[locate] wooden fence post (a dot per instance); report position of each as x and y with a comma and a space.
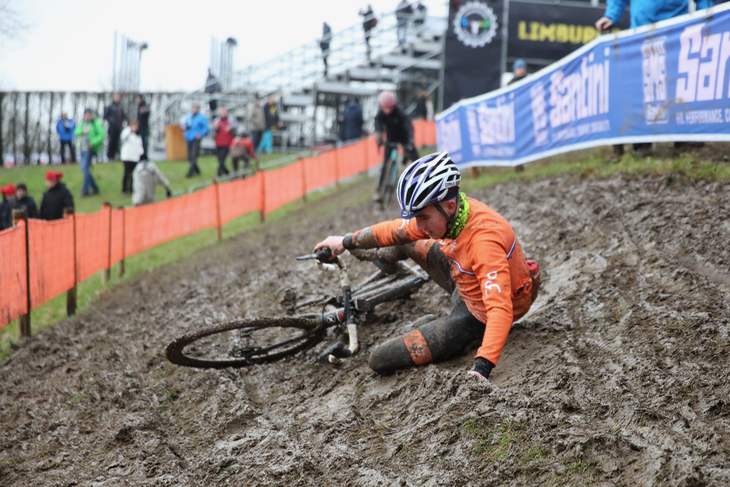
24, 321
263, 195
217, 211
337, 168
300, 161
106, 277
124, 242
71, 293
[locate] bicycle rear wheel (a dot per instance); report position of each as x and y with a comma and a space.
245, 342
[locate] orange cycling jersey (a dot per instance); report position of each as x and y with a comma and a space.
487, 266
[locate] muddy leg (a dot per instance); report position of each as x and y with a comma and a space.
437, 340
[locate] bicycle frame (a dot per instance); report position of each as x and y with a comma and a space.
346, 314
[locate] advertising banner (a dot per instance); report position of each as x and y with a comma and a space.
473, 49
663, 82
543, 33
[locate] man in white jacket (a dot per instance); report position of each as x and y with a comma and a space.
132, 150
146, 178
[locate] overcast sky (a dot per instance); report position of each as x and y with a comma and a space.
70, 43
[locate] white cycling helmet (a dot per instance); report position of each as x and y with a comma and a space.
430, 179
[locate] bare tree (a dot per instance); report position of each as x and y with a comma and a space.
11, 22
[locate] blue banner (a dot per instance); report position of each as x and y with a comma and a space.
663, 82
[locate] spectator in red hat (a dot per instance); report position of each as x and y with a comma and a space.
7, 206
57, 198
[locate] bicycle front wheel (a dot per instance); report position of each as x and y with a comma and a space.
245, 342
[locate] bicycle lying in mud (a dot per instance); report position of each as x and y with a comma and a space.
247, 342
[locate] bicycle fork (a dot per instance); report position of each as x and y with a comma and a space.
337, 353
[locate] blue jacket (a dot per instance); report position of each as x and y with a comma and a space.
644, 12
353, 121
195, 125
63, 134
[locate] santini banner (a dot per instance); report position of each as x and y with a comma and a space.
663, 82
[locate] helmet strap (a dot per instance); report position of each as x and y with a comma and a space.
450, 220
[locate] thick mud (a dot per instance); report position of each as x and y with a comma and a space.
618, 376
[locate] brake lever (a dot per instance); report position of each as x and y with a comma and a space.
323, 255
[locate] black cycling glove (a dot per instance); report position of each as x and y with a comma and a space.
482, 367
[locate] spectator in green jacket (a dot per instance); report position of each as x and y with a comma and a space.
91, 135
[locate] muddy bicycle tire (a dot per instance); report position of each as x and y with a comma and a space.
312, 332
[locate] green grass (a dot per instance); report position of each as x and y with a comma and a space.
109, 178
597, 163
593, 163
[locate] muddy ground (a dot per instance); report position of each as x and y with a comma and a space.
618, 376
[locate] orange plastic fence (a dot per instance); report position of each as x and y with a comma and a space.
320, 171
351, 160
132, 230
374, 154
13, 282
92, 243
240, 197
51, 259
424, 133
150, 225
283, 186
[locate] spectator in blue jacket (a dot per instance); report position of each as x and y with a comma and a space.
196, 127
65, 128
644, 12
352, 120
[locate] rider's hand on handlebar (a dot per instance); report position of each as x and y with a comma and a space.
380, 141
333, 243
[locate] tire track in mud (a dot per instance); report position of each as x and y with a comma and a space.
618, 376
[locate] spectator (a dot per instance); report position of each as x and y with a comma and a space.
256, 122
196, 127
419, 18
7, 206
369, 22
91, 139
424, 106
65, 128
271, 116
212, 86
143, 117
403, 14
225, 131
644, 12
25, 202
242, 150
519, 71
57, 198
115, 117
146, 178
352, 119
132, 152
324, 44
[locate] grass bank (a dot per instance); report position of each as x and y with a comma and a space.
109, 178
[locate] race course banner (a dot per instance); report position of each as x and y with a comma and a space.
663, 82
543, 33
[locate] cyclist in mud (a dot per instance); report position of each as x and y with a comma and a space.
467, 248
392, 122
